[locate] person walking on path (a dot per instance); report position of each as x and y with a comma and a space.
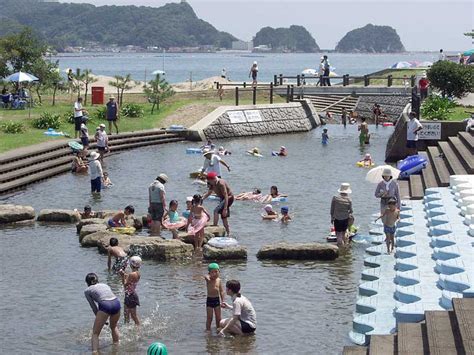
112, 114
327, 71
321, 72
253, 73
364, 132
413, 127
95, 170
344, 117
78, 114
157, 203
212, 162
244, 317
108, 306
102, 141
223, 191
387, 189
341, 211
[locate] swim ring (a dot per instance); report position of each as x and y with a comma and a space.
176, 225
411, 165
193, 151
258, 155
197, 224
214, 198
223, 242
53, 133
280, 199
75, 145
361, 164
387, 124
123, 230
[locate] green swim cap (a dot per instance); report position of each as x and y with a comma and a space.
213, 266
157, 349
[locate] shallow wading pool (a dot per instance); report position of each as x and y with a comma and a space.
301, 307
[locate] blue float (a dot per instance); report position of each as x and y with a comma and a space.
411, 165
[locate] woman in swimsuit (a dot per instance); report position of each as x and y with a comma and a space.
130, 281
256, 194
197, 221
108, 306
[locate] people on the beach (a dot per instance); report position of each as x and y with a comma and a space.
79, 112
341, 211
413, 127
215, 295
95, 171
364, 135
344, 117
84, 134
197, 220
108, 306
325, 136
285, 217
221, 188
387, 189
212, 163
130, 281
253, 73
157, 203
390, 217
327, 71
244, 317
269, 212
119, 219
102, 140
117, 252
78, 165
112, 114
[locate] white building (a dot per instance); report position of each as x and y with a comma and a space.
242, 45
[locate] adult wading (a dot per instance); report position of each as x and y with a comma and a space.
157, 203
223, 191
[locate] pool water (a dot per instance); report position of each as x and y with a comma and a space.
302, 307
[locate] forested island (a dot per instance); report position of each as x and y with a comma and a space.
371, 39
292, 39
71, 24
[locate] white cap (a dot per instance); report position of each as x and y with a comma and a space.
345, 188
135, 261
189, 199
102, 125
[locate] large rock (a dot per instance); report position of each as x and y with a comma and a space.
298, 251
90, 229
217, 231
66, 216
99, 238
189, 239
87, 221
16, 213
233, 253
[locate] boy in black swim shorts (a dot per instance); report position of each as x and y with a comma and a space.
215, 293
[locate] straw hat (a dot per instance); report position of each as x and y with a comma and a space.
345, 188
102, 125
94, 155
387, 172
163, 177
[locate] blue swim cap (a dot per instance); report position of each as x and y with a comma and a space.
284, 209
157, 349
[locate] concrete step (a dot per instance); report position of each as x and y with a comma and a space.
443, 333
18, 164
383, 344
37, 149
464, 310
439, 166
412, 339
453, 163
468, 139
156, 141
404, 189
463, 153
355, 350
427, 174
416, 187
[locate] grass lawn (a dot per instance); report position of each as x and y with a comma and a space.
459, 113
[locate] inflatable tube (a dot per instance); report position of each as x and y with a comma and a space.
387, 124
269, 217
175, 127
75, 145
275, 154
223, 242
214, 198
411, 165
181, 223
193, 151
53, 133
123, 230
254, 154
280, 199
197, 224
361, 164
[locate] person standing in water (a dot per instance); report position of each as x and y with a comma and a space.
157, 203
130, 281
344, 117
215, 295
253, 73
108, 306
364, 132
223, 191
341, 211
212, 162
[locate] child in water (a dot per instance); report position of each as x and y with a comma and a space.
106, 180
119, 219
197, 221
325, 136
256, 194
173, 218
215, 294
390, 217
130, 281
367, 161
121, 259
270, 213
189, 205
88, 213
285, 217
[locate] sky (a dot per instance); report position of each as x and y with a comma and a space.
423, 25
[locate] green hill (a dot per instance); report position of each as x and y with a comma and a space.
295, 39
371, 39
172, 25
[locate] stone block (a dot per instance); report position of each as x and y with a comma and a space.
298, 251
16, 213
87, 221
232, 253
59, 215
91, 228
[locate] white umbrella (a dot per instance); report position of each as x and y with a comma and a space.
21, 77
375, 175
310, 72
425, 64
159, 72
401, 65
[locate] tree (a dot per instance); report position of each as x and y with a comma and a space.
157, 91
121, 84
451, 79
470, 34
77, 83
87, 79
49, 77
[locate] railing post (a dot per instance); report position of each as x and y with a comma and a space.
275, 80
287, 93
413, 80
271, 92
298, 80
236, 96
245, 84
281, 79
345, 80
254, 95
366, 80
292, 93
389, 80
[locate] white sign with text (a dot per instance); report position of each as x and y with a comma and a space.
236, 116
253, 116
430, 131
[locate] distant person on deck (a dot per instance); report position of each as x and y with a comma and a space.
223, 74
112, 114
441, 55
327, 71
253, 73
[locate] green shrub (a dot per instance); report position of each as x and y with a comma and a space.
131, 110
12, 127
99, 113
68, 117
451, 79
47, 120
436, 107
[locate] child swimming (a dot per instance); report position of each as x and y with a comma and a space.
270, 213
325, 136
256, 194
88, 213
390, 217
118, 220
273, 194
367, 161
171, 219
215, 295
106, 180
130, 281
121, 259
285, 217
197, 221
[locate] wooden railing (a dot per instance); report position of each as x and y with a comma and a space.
302, 79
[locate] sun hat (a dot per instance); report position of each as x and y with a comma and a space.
102, 125
282, 147
221, 148
255, 63
268, 208
213, 266
189, 199
387, 172
135, 261
163, 177
111, 98
345, 188
211, 175
94, 155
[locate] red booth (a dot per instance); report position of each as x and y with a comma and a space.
97, 95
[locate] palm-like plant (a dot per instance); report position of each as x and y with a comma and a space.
121, 84
157, 90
